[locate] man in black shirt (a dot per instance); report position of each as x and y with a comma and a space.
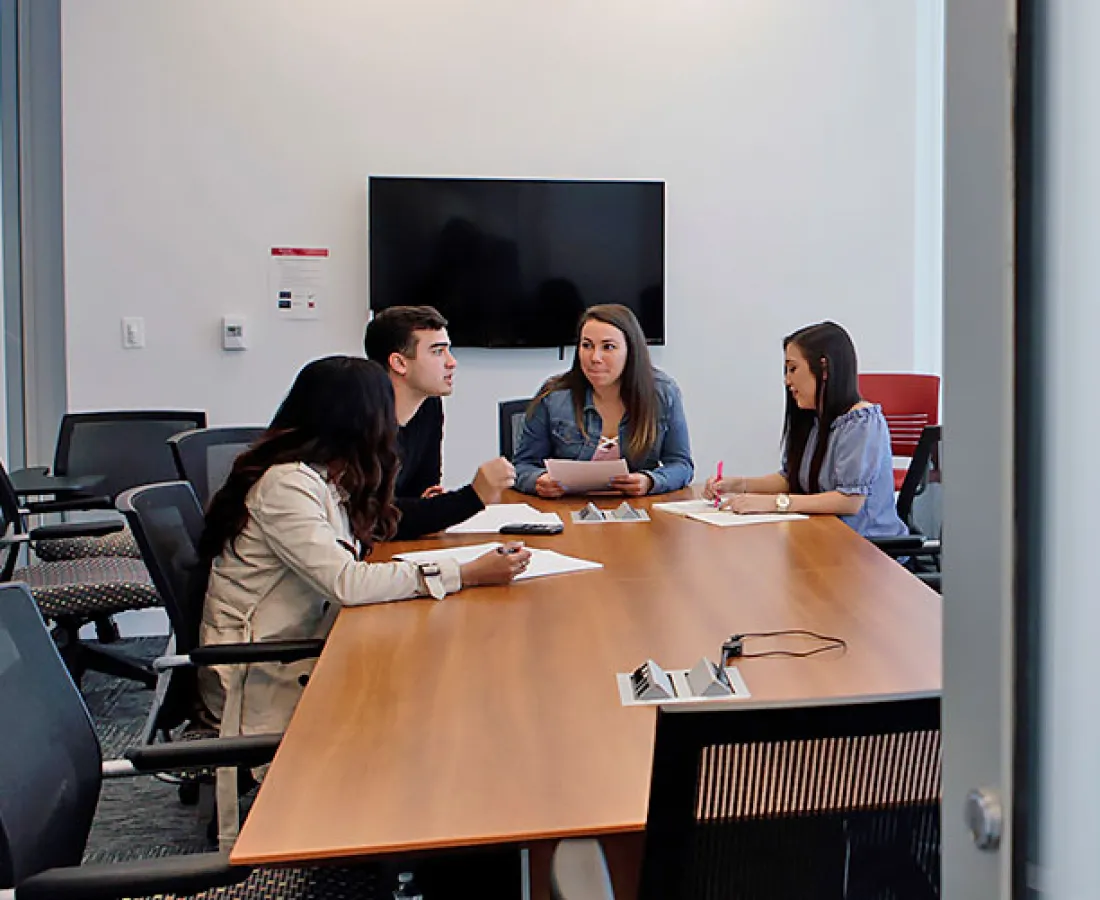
411, 342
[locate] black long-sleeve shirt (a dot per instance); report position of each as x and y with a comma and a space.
420, 446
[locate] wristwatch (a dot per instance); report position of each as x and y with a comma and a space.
782, 503
433, 579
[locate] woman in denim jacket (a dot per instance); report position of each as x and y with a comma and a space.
611, 404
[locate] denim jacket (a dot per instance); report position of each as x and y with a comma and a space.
551, 432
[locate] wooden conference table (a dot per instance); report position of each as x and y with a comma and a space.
493, 717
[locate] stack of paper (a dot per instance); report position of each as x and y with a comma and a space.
725, 519
580, 476
489, 520
704, 511
685, 507
543, 562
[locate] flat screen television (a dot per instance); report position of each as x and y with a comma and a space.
513, 263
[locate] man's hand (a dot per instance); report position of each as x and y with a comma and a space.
493, 478
546, 487
434, 491
633, 485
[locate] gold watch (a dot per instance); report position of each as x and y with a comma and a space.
782, 503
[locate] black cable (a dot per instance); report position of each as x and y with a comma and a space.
734, 647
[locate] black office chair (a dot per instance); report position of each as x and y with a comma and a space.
167, 522
511, 416
920, 507
51, 771
72, 593
127, 448
820, 801
205, 456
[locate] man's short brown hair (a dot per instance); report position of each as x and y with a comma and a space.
393, 331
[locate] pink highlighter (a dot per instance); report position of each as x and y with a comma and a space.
718, 492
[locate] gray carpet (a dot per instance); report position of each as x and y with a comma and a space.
136, 817
142, 817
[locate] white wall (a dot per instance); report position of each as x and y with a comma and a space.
199, 134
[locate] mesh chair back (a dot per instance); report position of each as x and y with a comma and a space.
126, 448
10, 520
512, 415
205, 456
167, 522
820, 801
920, 502
49, 756
909, 402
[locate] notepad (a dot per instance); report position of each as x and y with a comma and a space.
684, 507
543, 562
704, 511
725, 519
489, 520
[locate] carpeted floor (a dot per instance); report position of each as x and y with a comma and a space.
142, 817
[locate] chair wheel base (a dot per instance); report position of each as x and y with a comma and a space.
189, 793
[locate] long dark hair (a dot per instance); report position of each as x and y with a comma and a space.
637, 386
831, 356
338, 414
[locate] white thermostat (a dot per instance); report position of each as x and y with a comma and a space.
233, 333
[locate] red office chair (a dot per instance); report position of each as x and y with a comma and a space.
909, 402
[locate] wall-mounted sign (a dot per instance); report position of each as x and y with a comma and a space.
299, 281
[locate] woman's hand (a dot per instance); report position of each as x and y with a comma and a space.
715, 487
747, 504
635, 484
546, 487
497, 566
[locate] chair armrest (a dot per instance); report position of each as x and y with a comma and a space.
33, 471
74, 505
261, 651
185, 875
902, 545
578, 871
75, 530
249, 750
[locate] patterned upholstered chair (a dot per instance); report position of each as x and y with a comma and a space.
127, 448
72, 593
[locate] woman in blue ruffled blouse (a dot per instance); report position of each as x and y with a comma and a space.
850, 473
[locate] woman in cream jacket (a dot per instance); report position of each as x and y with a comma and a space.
288, 536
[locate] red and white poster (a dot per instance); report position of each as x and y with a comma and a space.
299, 281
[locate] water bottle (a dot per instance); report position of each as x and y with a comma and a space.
406, 888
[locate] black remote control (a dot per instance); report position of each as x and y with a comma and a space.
531, 528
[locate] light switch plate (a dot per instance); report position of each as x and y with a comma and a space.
133, 332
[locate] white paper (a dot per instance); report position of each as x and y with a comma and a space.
299, 281
684, 507
726, 519
489, 520
543, 562
578, 476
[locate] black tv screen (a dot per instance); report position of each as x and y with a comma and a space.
513, 263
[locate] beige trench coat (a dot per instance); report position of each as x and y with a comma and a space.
290, 570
